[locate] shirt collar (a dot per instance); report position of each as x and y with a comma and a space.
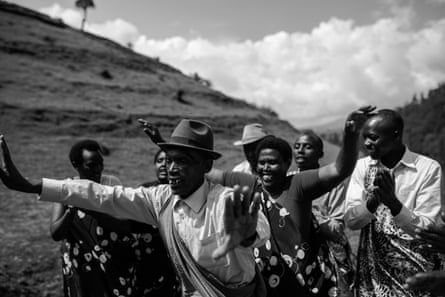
196, 200
408, 159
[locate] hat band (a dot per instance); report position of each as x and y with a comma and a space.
188, 141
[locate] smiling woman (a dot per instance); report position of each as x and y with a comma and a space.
296, 260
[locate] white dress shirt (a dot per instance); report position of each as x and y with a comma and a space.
199, 218
417, 186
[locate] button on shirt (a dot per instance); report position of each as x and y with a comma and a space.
198, 219
417, 186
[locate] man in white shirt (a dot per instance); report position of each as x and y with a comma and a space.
391, 193
252, 134
209, 229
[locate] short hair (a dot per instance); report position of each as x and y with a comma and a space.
392, 117
318, 142
276, 143
157, 155
76, 150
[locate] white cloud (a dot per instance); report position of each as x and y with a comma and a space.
310, 78
118, 30
69, 16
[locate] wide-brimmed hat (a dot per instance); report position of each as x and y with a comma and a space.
251, 133
194, 135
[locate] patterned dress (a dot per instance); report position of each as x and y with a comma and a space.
290, 265
104, 256
97, 261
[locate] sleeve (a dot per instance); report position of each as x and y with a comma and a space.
231, 179
428, 203
310, 183
357, 214
138, 204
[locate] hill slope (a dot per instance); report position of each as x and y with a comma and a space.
425, 124
58, 85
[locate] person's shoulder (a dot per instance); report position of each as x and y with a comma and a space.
421, 162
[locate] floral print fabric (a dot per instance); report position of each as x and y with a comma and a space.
291, 267
99, 262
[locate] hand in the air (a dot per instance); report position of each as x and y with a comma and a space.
240, 219
9, 174
357, 118
151, 130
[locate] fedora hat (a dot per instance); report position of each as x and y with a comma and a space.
251, 133
194, 135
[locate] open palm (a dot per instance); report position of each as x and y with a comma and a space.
240, 220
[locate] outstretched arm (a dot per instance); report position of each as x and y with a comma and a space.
152, 131
11, 176
240, 220
332, 174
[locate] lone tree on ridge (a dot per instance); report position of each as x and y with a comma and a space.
84, 5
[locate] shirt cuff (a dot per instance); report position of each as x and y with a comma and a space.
404, 217
51, 190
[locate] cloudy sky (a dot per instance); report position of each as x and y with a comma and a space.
312, 61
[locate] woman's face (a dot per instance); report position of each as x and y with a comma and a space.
272, 169
161, 163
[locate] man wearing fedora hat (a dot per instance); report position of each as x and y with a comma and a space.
209, 230
252, 134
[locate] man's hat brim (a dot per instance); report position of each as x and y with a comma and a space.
171, 145
247, 141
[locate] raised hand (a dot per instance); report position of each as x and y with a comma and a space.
357, 119
9, 174
240, 220
431, 281
433, 236
151, 130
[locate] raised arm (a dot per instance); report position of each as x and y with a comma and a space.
124, 203
152, 131
11, 176
332, 174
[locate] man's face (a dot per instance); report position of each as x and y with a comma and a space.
91, 166
249, 152
306, 153
161, 164
186, 171
272, 169
378, 137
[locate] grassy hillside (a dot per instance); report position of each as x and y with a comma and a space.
58, 85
